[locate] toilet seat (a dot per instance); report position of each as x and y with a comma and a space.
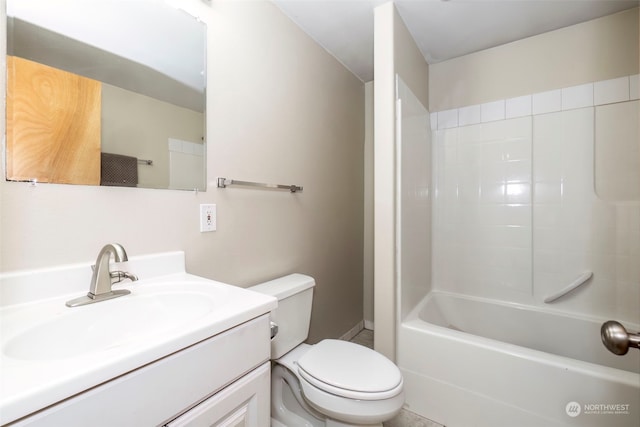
351, 371
336, 405
353, 411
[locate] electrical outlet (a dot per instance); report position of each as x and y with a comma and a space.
207, 218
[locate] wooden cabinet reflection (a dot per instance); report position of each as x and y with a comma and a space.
53, 124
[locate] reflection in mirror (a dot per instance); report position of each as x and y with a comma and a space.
108, 92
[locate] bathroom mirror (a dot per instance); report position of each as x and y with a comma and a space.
108, 92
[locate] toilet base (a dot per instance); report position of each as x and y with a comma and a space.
329, 423
287, 401
334, 423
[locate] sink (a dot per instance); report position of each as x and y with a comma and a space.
108, 324
50, 352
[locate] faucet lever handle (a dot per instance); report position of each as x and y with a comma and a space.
121, 275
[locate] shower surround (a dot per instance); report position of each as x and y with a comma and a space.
532, 192
528, 193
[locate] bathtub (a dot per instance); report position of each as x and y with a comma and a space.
473, 362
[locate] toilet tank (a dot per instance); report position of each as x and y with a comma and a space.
293, 315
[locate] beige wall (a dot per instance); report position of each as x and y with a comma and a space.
367, 301
600, 49
124, 111
409, 63
394, 52
280, 109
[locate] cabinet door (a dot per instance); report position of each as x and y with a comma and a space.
53, 124
245, 403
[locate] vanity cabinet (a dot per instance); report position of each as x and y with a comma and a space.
221, 381
245, 403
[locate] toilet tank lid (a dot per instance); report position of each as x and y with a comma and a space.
284, 287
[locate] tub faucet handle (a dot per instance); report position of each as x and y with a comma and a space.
617, 339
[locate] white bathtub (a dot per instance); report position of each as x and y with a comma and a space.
476, 362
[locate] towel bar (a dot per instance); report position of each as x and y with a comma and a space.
223, 182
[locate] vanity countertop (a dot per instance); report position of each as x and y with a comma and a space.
36, 376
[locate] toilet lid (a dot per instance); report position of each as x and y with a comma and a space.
350, 370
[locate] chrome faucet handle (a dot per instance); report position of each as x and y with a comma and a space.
100, 287
617, 339
101, 278
121, 275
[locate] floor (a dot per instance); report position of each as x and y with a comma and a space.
405, 418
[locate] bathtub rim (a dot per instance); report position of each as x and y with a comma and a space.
415, 311
418, 325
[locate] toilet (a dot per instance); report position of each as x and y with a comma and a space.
332, 383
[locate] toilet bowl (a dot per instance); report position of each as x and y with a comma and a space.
332, 383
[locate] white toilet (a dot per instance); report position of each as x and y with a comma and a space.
332, 383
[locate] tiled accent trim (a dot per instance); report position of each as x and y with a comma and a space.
603, 92
519, 107
547, 102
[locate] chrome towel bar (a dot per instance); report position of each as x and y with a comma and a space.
223, 182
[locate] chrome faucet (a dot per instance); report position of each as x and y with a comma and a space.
101, 279
100, 287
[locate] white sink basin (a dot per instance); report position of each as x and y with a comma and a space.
49, 352
108, 324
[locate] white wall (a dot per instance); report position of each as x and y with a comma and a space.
575, 228
520, 205
395, 52
384, 308
482, 209
544, 105
414, 201
279, 109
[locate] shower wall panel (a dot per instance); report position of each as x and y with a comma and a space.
525, 206
482, 214
414, 204
578, 229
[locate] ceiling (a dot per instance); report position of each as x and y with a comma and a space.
442, 29
141, 34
